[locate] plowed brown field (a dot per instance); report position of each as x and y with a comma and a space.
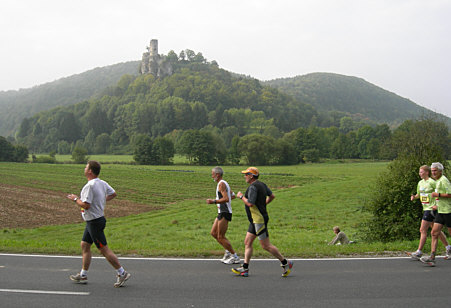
25, 207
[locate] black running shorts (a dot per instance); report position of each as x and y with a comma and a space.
260, 230
227, 216
443, 219
94, 232
429, 215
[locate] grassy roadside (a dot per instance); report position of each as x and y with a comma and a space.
310, 200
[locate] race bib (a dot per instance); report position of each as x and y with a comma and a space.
424, 198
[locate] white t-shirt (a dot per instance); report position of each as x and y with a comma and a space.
95, 193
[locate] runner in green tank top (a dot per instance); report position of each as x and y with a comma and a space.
442, 194
424, 189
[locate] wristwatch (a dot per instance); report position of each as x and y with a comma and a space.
75, 199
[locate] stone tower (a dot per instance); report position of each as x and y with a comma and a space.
153, 63
153, 48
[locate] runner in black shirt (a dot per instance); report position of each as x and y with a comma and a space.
257, 196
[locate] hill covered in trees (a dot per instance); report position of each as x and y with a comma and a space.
209, 115
196, 95
352, 96
333, 96
17, 105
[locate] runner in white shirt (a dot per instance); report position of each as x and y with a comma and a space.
223, 201
92, 201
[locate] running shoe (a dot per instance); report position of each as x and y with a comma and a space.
415, 255
287, 268
79, 278
241, 271
448, 254
233, 260
226, 256
428, 260
121, 279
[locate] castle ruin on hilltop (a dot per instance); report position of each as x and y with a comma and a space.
153, 63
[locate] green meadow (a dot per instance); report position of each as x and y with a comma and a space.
310, 200
112, 159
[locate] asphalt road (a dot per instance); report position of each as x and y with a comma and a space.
42, 281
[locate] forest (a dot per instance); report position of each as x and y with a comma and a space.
17, 105
209, 115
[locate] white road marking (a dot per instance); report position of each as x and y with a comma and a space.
44, 292
207, 259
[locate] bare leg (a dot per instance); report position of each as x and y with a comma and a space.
424, 233
110, 256
436, 229
248, 249
86, 255
223, 225
266, 245
214, 229
443, 239
218, 231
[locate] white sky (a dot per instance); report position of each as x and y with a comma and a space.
403, 46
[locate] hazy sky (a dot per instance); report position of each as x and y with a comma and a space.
403, 46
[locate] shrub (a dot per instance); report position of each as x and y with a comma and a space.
79, 155
44, 159
393, 215
311, 155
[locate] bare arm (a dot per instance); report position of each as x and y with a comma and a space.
225, 197
245, 200
110, 197
77, 201
270, 198
440, 195
335, 240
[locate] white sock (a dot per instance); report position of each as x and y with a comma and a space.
235, 255
226, 251
448, 247
120, 271
419, 251
83, 272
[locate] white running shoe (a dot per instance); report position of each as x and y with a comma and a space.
415, 255
226, 256
448, 254
78, 278
428, 260
232, 260
121, 279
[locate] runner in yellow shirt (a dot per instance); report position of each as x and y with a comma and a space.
424, 189
442, 194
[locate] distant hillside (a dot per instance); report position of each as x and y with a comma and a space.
327, 93
333, 92
17, 105
197, 95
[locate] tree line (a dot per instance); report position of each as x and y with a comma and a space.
16, 105
206, 114
12, 152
